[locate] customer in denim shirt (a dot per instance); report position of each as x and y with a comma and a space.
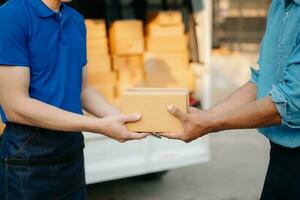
270, 102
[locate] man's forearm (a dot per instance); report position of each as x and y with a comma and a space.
256, 114
32, 112
242, 96
95, 104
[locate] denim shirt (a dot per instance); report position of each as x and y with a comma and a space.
279, 70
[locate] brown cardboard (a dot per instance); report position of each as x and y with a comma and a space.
103, 63
95, 43
95, 28
131, 76
130, 46
116, 102
152, 105
174, 44
95, 23
98, 45
2, 126
130, 70
100, 50
155, 30
97, 76
156, 77
167, 60
165, 18
126, 37
95, 34
125, 29
125, 85
128, 62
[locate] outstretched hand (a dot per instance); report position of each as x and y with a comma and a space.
196, 123
115, 128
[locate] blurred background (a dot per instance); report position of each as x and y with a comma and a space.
204, 45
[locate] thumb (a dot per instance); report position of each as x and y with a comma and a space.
176, 112
130, 118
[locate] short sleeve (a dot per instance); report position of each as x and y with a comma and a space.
13, 40
85, 61
254, 75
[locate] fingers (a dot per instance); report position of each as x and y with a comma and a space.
137, 136
130, 118
177, 112
128, 136
171, 135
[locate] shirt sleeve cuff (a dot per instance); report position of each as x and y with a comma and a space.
14, 63
281, 103
254, 75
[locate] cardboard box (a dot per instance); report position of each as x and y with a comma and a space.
165, 17
101, 63
131, 46
152, 104
101, 51
125, 29
95, 34
155, 30
125, 85
128, 62
126, 37
183, 78
107, 90
2, 126
97, 76
95, 28
170, 78
95, 23
167, 60
116, 102
98, 45
167, 44
132, 76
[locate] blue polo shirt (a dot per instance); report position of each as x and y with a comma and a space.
52, 45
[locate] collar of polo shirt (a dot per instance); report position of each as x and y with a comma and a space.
44, 12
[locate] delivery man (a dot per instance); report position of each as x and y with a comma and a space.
43, 89
270, 102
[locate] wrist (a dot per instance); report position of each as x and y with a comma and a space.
214, 124
217, 124
93, 124
212, 111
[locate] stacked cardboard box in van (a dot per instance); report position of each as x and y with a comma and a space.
123, 61
127, 48
1, 127
167, 57
100, 74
